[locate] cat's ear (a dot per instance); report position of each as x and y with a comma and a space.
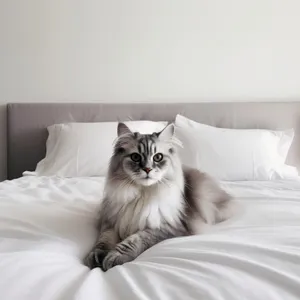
123, 129
167, 133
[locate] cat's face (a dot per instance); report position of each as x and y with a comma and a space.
145, 159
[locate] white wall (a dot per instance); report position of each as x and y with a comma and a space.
92, 50
137, 50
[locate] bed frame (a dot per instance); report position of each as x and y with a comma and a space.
27, 122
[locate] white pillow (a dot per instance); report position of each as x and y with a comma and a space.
84, 149
235, 154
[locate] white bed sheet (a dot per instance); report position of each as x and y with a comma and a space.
47, 227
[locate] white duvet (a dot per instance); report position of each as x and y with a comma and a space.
47, 227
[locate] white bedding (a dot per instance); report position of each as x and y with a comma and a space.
47, 227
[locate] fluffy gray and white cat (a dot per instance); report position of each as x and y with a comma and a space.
149, 197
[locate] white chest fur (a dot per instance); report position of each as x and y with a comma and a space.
139, 208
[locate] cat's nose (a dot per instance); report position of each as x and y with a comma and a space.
147, 170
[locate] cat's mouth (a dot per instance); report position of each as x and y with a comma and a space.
146, 181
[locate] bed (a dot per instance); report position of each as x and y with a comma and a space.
47, 224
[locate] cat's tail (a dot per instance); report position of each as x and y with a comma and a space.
208, 202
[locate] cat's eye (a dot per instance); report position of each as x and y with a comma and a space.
158, 157
135, 157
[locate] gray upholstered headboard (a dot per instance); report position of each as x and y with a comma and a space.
27, 122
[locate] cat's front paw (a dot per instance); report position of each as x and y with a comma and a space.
95, 258
115, 258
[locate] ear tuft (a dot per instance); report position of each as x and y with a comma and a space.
123, 129
167, 133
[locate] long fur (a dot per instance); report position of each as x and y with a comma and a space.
136, 215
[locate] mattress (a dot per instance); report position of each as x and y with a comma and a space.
47, 226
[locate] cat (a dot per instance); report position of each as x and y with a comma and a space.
150, 197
